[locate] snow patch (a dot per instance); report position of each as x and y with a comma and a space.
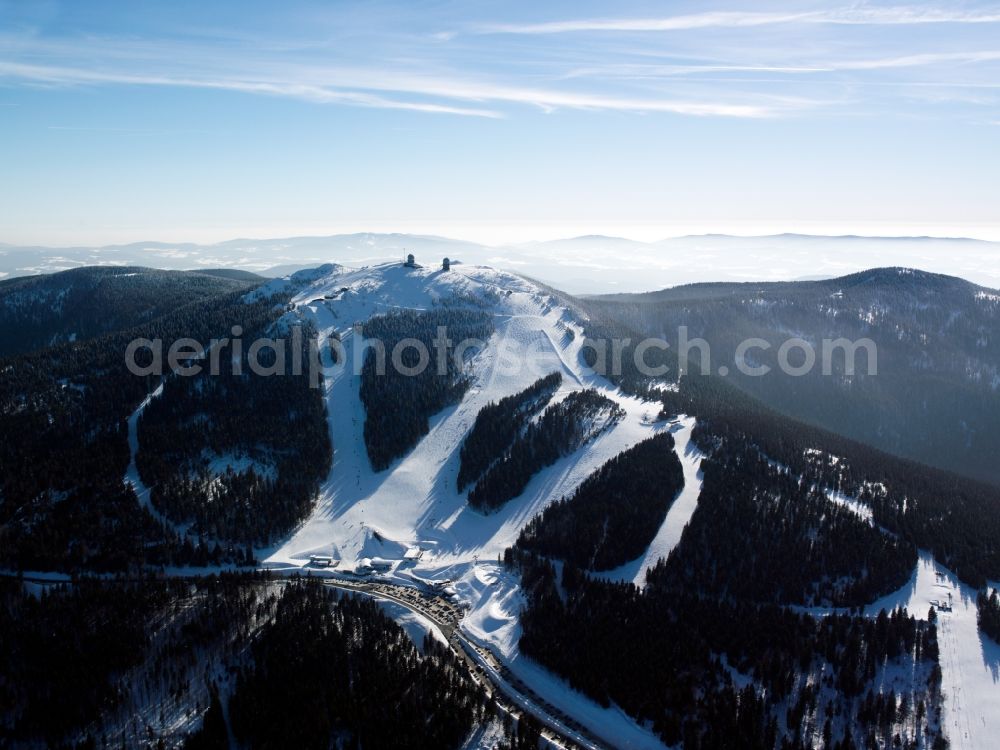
417, 626
858, 508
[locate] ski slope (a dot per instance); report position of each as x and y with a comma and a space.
970, 661
361, 514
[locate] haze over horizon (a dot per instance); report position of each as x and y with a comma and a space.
506, 236
580, 265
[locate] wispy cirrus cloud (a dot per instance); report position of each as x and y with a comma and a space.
70, 76
860, 15
747, 74
646, 70
669, 23
905, 15
920, 60
356, 87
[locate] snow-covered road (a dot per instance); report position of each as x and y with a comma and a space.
132, 473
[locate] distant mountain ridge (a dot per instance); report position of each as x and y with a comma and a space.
886, 275
936, 395
74, 305
589, 264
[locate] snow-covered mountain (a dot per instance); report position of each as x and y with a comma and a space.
768, 526
363, 515
415, 501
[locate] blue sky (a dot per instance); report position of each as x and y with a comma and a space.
496, 121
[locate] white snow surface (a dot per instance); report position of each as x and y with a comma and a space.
363, 514
485, 736
858, 508
132, 473
416, 625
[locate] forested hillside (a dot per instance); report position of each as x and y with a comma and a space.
704, 670
65, 649
271, 428
75, 305
762, 532
936, 395
217, 660
611, 343
957, 519
615, 513
397, 403
787, 515
497, 426
64, 447
759, 622
612, 349
329, 666
561, 429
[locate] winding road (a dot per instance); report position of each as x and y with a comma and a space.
509, 691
